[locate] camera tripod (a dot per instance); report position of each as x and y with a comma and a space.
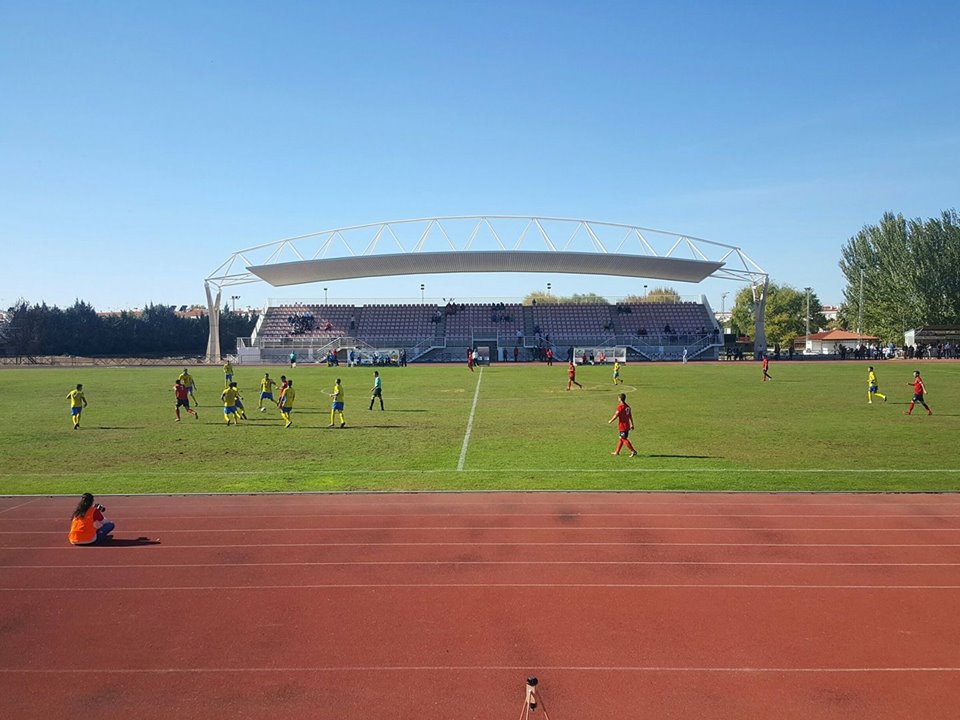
532, 700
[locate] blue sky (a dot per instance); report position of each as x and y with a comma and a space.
141, 143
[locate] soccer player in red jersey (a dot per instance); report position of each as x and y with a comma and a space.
624, 417
766, 366
182, 394
918, 391
572, 373
470, 359
283, 386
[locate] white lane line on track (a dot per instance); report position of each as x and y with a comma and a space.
497, 528
434, 586
466, 436
6, 510
431, 563
154, 548
577, 515
474, 668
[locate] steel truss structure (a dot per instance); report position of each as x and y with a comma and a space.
485, 243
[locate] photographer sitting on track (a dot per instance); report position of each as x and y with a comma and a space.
88, 525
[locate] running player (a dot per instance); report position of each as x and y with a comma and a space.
337, 407
572, 376
918, 390
183, 400
229, 397
287, 396
377, 392
624, 417
187, 381
227, 373
283, 386
872, 388
766, 366
240, 409
616, 373
266, 390
77, 403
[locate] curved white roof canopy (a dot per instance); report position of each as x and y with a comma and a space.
421, 263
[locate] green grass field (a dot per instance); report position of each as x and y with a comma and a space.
699, 427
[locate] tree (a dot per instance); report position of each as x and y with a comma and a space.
906, 271
657, 295
541, 298
586, 299
785, 317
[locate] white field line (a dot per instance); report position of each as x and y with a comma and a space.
472, 668
438, 471
466, 436
434, 586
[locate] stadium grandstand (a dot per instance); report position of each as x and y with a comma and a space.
443, 333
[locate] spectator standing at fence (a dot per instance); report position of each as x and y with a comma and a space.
550, 357
516, 353
293, 359
78, 402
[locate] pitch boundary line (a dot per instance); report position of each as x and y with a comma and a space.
434, 586
466, 437
476, 668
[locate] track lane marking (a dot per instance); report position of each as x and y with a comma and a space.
432, 563
434, 586
475, 668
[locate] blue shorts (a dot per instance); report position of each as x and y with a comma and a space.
227, 377
266, 396
239, 403
286, 410
229, 409
76, 410
873, 388
338, 406
190, 389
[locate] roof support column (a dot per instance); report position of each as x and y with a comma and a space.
213, 314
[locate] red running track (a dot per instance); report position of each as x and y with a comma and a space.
414, 606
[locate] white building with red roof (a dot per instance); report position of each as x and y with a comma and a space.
829, 342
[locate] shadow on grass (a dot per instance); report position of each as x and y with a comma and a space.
693, 457
116, 427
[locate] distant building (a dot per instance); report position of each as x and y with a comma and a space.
831, 312
829, 342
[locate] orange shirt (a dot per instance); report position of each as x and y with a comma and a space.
83, 531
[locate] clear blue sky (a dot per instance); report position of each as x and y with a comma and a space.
141, 143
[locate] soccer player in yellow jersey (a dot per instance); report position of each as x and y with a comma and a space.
187, 381
229, 397
872, 387
266, 390
616, 373
77, 403
337, 407
287, 396
227, 373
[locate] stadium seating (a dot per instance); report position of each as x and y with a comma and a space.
573, 323
503, 319
653, 319
388, 324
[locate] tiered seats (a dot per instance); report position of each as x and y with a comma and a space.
325, 321
569, 322
685, 318
505, 319
388, 324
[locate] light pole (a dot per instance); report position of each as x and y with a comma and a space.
548, 288
723, 303
234, 298
422, 287
860, 313
806, 343
324, 296
645, 297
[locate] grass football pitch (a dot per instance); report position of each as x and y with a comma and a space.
699, 427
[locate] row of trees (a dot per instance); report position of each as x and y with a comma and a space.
907, 273
786, 314
657, 295
79, 330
